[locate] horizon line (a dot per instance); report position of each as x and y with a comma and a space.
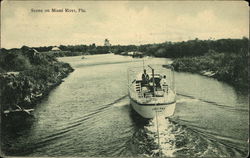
211, 39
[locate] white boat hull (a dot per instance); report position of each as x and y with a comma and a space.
150, 110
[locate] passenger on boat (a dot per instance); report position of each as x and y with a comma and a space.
145, 78
164, 84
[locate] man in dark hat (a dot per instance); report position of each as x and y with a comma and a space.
145, 78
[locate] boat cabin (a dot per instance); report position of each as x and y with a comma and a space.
153, 88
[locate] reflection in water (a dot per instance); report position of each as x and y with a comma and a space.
89, 115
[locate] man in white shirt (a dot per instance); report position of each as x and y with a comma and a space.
164, 84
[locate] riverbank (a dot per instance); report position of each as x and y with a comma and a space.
231, 68
83, 108
26, 78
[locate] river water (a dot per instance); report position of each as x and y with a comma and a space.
89, 115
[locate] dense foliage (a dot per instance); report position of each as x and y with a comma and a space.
33, 75
194, 47
229, 67
226, 57
189, 48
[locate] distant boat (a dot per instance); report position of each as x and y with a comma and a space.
124, 53
153, 98
137, 55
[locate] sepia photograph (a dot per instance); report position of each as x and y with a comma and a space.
124, 78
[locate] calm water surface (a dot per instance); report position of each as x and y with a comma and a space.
89, 115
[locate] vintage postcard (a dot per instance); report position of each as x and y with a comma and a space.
124, 78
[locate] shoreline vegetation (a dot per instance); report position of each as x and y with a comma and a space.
230, 68
224, 59
25, 78
27, 74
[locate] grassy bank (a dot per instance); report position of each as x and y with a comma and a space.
229, 67
26, 77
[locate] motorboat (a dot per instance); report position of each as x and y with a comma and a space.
152, 97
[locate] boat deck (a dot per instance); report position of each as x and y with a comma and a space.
145, 97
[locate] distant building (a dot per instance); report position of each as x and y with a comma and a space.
56, 49
106, 42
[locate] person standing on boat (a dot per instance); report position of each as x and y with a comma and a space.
164, 84
145, 78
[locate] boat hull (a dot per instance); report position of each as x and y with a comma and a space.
150, 110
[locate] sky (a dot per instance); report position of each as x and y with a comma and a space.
122, 22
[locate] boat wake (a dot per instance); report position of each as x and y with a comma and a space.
166, 140
188, 98
67, 127
180, 140
184, 100
123, 101
145, 140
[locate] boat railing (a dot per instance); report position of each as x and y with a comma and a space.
148, 97
154, 71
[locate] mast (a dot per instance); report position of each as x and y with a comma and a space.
153, 75
143, 64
